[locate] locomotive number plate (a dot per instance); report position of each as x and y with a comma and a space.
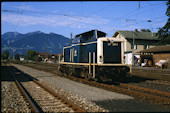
112, 44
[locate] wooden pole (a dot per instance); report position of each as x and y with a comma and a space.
130, 68
59, 63
70, 55
59, 59
89, 62
93, 64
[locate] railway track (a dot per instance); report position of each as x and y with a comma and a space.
40, 97
145, 94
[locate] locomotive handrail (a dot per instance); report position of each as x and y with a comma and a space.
93, 64
89, 62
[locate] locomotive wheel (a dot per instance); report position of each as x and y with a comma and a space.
85, 74
61, 69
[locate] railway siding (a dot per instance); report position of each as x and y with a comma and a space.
82, 102
131, 102
151, 72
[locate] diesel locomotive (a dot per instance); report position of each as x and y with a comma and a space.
93, 55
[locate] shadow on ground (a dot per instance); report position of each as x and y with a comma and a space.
6, 76
130, 105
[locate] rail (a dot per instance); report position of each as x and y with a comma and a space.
34, 105
138, 92
24, 92
75, 107
146, 89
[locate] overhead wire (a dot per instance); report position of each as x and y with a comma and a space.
147, 20
147, 10
159, 17
77, 16
131, 12
104, 8
76, 6
80, 17
158, 21
42, 13
20, 13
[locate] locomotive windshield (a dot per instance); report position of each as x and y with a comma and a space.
88, 36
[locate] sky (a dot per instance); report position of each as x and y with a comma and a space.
77, 17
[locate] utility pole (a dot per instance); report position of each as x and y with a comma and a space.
133, 49
151, 27
71, 38
46, 54
13, 54
45, 47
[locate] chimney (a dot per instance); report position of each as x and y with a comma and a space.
136, 30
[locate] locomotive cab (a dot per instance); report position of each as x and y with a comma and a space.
109, 51
89, 36
94, 55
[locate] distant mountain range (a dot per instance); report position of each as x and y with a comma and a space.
37, 41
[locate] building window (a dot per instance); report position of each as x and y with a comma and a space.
135, 46
75, 52
146, 46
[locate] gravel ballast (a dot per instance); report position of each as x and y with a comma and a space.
109, 100
11, 98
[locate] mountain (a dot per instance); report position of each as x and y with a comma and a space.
9, 38
37, 41
11, 35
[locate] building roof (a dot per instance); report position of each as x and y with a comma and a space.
157, 49
43, 54
57, 54
137, 35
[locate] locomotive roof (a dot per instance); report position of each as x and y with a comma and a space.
99, 33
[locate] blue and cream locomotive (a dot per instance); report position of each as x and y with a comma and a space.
94, 56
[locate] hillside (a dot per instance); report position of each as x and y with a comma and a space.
38, 41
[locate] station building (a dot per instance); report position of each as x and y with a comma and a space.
155, 55
140, 39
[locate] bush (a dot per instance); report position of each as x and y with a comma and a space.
31, 55
5, 55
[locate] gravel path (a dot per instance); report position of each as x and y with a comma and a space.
91, 93
109, 100
87, 105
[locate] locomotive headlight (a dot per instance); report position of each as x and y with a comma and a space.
100, 59
111, 41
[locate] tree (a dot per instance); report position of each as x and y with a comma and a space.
145, 30
164, 33
5, 55
17, 56
31, 55
38, 59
